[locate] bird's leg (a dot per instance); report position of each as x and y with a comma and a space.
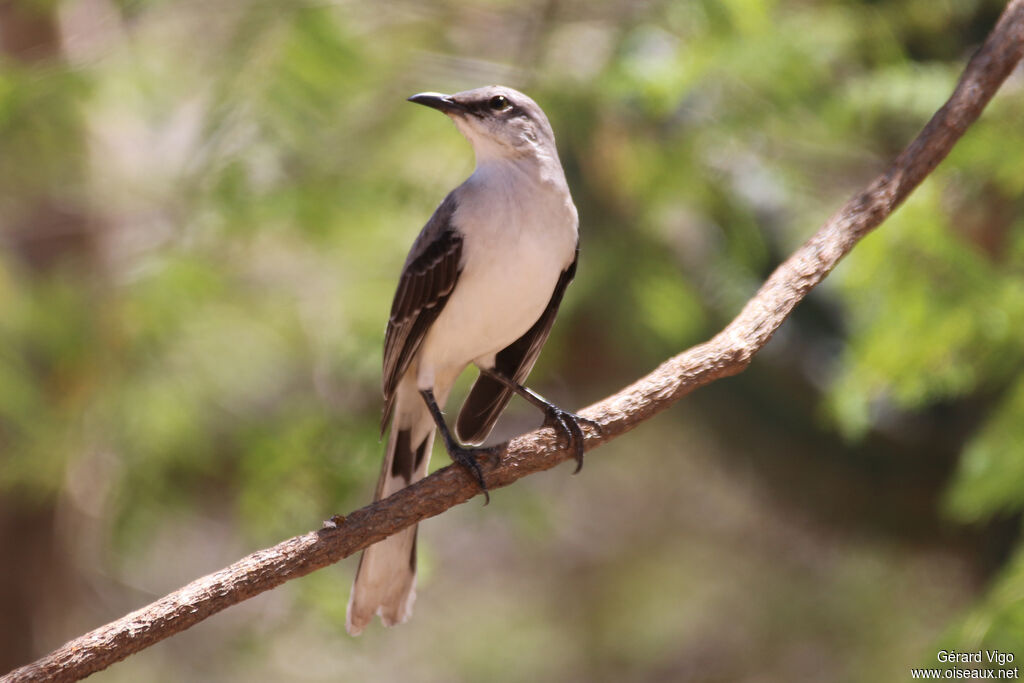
565, 423
456, 451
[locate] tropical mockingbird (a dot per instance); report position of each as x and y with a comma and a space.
481, 285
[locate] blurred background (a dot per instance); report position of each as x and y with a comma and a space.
204, 207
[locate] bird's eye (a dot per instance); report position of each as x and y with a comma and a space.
499, 103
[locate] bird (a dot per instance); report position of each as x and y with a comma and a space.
481, 286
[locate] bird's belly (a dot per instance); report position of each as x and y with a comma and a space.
500, 294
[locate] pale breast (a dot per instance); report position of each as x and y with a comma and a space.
519, 236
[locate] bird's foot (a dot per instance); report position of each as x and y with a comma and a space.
567, 425
467, 458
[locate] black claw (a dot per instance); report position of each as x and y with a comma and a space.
567, 425
466, 457
459, 454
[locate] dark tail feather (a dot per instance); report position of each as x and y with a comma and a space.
385, 582
486, 400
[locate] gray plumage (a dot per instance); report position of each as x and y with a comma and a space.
481, 285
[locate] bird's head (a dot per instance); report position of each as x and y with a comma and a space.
500, 123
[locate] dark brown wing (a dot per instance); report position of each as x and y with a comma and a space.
427, 280
489, 397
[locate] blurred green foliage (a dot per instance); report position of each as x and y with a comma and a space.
204, 209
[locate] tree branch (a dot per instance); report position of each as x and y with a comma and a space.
728, 353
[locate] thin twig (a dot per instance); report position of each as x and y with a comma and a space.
728, 353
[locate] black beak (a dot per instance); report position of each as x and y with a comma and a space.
436, 100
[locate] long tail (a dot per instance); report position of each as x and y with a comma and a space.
385, 582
